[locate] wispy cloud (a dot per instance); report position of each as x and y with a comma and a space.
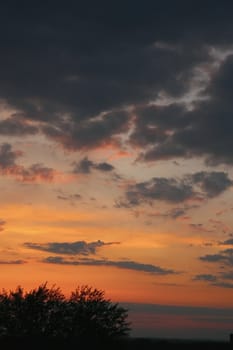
224, 256
12, 262
197, 186
205, 277
122, 264
33, 173
69, 248
85, 166
2, 223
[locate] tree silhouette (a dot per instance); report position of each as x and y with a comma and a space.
45, 311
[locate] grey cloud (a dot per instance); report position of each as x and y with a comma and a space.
205, 277
73, 70
204, 131
8, 166
173, 213
223, 284
69, 248
34, 172
169, 190
224, 256
124, 264
16, 126
71, 197
176, 213
199, 185
228, 242
89, 133
218, 280
227, 275
2, 223
12, 262
213, 258
85, 166
76, 63
7, 156
104, 167
212, 183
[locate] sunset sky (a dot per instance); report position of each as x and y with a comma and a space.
116, 156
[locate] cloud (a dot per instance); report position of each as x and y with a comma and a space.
224, 256
223, 284
124, 264
85, 166
205, 277
171, 131
78, 93
12, 262
224, 262
227, 275
228, 242
88, 133
174, 213
199, 186
71, 197
7, 156
16, 126
35, 172
168, 190
69, 248
212, 183
2, 223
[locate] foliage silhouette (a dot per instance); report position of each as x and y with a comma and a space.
46, 312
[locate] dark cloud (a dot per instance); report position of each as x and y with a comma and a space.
8, 166
199, 185
65, 67
12, 262
225, 257
88, 133
2, 223
74, 70
171, 131
71, 198
217, 280
228, 242
7, 156
205, 277
124, 264
169, 190
212, 183
16, 126
85, 166
173, 213
35, 172
223, 284
69, 248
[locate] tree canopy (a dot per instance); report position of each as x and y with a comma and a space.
45, 311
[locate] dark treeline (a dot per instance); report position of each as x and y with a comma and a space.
44, 318
45, 314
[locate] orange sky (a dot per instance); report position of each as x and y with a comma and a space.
116, 157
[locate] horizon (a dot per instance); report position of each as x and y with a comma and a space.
116, 157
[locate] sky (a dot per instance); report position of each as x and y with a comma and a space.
116, 155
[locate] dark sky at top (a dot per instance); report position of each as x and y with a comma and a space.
62, 64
